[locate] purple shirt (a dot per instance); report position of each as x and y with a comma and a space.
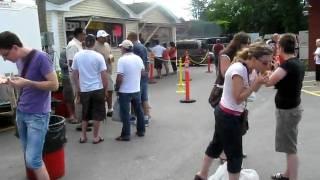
33, 100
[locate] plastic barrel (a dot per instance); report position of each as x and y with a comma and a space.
53, 150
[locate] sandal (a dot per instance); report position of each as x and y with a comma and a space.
99, 141
120, 138
279, 176
81, 141
222, 160
197, 177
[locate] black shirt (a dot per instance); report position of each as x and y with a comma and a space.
289, 88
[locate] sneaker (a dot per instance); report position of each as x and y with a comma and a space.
146, 121
133, 120
109, 114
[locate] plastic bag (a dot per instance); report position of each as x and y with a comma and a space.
116, 111
222, 174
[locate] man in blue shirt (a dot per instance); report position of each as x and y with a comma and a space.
141, 51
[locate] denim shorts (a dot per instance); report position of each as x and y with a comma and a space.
32, 130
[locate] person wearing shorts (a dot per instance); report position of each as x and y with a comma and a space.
90, 72
103, 47
158, 52
37, 80
288, 80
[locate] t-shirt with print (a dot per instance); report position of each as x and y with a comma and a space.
34, 100
130, 67
90, 64
105, 51
317, 55
289, 88
227, 99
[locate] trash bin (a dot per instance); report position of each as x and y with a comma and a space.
53, 150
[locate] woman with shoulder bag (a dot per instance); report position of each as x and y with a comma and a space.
239, 41
237, 88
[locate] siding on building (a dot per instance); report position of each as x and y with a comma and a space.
157, 16
48, 15
131, 27
96, 8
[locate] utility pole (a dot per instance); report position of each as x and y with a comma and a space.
42, 15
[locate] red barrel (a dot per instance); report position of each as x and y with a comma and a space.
55, 165
53, 149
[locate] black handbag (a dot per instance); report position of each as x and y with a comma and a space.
215, 95
216, 92
244, 123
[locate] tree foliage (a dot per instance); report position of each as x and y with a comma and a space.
198, 7
264, 16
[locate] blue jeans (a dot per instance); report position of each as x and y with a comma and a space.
144, 88
125, 99
32, 130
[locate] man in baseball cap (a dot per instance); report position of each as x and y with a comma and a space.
102, 33
103, 47
130, 68
126, 44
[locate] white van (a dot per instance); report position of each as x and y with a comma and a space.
21, 18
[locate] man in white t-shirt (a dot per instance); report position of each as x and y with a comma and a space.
129, 70
158, 52
90, 73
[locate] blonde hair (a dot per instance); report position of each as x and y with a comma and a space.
255, 50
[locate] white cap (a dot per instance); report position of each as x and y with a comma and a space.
127, 44
102, 33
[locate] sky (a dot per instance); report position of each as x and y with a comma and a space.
181, 8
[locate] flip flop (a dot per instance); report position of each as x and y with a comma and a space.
73, 121
279, 176
99, 141
197, 177
81, 141
120, 138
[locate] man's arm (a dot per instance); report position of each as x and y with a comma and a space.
51, 83
119, 81
75, 76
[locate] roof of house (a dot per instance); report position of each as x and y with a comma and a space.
142, 8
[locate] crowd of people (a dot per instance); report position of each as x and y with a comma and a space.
86, 66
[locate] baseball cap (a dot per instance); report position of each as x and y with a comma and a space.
127, 44
102, 33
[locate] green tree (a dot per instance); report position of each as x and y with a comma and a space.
198, 7
264, 16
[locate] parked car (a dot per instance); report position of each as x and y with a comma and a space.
196, 49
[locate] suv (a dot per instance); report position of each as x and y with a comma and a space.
197, 50
210, 41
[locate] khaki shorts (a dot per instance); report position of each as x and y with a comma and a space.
287, 129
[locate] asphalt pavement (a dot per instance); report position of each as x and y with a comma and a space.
175, 142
